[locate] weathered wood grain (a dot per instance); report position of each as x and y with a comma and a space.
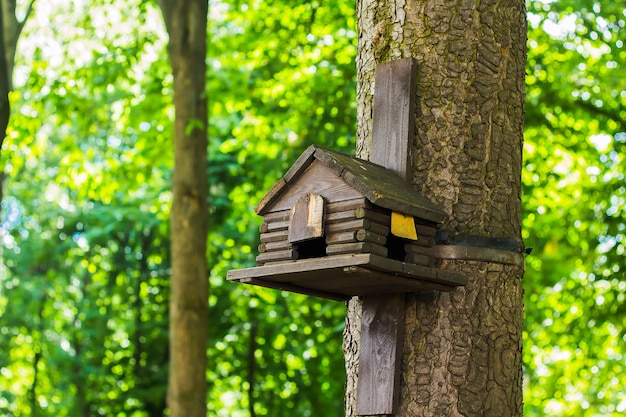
274, 226
271, 196
376, 216
283, 255
414, 258
339, 216
359, 247
344, 205
354, 225
394, 115
363, 235
277, 216
274, 236
425, 241
317, 179
352, 274
382, 328
419, 250
307, 218
358, 213
305, 159
276, 245
342, 237
423, 230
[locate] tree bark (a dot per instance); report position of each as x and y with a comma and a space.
462, 350
186, 23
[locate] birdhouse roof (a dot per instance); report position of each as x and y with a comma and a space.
379, 185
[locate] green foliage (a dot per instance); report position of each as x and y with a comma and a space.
85, 247
83, 288
574, 199
277, 83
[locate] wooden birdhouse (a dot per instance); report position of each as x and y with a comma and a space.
336, 226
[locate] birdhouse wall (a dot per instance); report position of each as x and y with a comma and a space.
316, 179
350, 227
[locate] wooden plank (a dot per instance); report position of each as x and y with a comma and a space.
382, 331
394, 115
359, 247
276, 226
344, 237
414, 258
317, 179
348, 226
274, 236
358, 213
310, 265
425, 241
271, 196
337, 265
380, 350
344, 205
344, 281
362, 281
294, 288
360, 235
419, 250
385, 189
307, 218
277, 216
363, 235
273, 226
354, 225
376, 216
303, 161
378, 228
276, 245
283, 255
340, 216
423, 230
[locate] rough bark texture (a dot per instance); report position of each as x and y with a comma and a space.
462, 350
186, 23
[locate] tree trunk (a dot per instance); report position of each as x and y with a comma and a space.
9, 35
462, 350
186, 23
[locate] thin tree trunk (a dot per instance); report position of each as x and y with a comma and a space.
462, 350
9, 34
5, 109
186, 23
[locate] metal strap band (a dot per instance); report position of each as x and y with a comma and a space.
474, 253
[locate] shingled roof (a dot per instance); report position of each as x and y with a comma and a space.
379, 185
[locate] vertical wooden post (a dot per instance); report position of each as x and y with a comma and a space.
382, 332
393, 127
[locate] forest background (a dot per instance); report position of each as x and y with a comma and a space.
85, 237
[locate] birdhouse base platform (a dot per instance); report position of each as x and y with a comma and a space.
341, 277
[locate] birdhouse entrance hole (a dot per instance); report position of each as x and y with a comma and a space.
314, 248
395, 248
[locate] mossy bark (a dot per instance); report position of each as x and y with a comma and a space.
462, 350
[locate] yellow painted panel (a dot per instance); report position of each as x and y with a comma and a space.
403, 225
